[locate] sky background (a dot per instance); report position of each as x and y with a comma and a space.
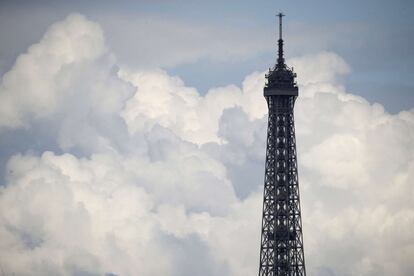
234, 38
133, 135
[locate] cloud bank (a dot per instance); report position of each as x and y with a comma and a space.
148, 177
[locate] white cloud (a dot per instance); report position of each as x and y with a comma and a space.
159, 180
332, 66
161, 99
34, 85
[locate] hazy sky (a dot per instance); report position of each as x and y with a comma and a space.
212, 43
133, 135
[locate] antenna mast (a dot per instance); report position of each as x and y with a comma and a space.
280, 59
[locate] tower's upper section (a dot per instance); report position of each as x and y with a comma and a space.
280, 79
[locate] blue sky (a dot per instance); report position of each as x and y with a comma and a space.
374, 37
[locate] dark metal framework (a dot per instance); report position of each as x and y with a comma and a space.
281, 250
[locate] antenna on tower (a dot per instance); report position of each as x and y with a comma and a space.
280, 15
280, 59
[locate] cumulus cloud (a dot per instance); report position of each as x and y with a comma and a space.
152, 178
164, 100
35, 83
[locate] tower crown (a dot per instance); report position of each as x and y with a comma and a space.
280, 79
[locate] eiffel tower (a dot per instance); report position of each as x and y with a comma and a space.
281, 248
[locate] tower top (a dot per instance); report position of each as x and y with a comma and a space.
280, 79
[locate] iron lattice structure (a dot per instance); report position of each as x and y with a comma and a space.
281, 250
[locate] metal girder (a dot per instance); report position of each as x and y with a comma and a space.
281, 250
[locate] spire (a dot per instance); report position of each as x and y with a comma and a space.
280, 59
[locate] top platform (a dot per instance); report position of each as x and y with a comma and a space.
273, 91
